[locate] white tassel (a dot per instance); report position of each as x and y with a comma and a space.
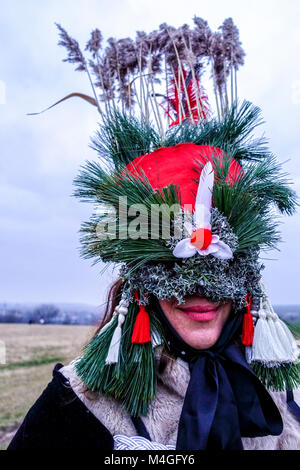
156, 339
287, 347
114, 347
105, 327
273, 343
248, 354
248, 349
263, 346
255, 314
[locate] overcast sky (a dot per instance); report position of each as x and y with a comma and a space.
40, 155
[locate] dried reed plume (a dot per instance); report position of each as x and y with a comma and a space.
134, 74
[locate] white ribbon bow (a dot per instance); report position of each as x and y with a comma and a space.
208, 244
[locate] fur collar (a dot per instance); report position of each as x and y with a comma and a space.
164, 412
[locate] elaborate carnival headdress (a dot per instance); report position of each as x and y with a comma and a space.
185, 201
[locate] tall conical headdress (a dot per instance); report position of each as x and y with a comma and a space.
184, 200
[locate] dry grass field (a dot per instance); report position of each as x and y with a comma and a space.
31, 353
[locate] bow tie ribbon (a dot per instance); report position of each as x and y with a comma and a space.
225, 400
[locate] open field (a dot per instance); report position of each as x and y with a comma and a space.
31, 353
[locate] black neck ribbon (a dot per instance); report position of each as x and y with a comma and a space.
225, 400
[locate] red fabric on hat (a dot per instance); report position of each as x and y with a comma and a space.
180, 165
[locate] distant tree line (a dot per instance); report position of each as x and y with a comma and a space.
52, 314
46, 314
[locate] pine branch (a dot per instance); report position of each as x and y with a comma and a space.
283, 377
132, 381
120, 139
233, 133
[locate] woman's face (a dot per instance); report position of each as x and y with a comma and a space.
198, 321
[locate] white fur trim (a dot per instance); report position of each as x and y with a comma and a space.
163, 416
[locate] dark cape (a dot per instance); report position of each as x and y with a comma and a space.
59, 420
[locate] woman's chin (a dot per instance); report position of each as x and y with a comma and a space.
201, 339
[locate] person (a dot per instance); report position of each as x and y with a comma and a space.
68, 415
190, 354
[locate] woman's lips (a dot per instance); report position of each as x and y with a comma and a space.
200, 313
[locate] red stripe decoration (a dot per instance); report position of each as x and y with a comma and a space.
248, 326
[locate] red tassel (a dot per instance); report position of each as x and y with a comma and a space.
141, 330
248, 326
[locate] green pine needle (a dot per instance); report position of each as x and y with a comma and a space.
283, 377
132, 381
233, 134
120, 139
